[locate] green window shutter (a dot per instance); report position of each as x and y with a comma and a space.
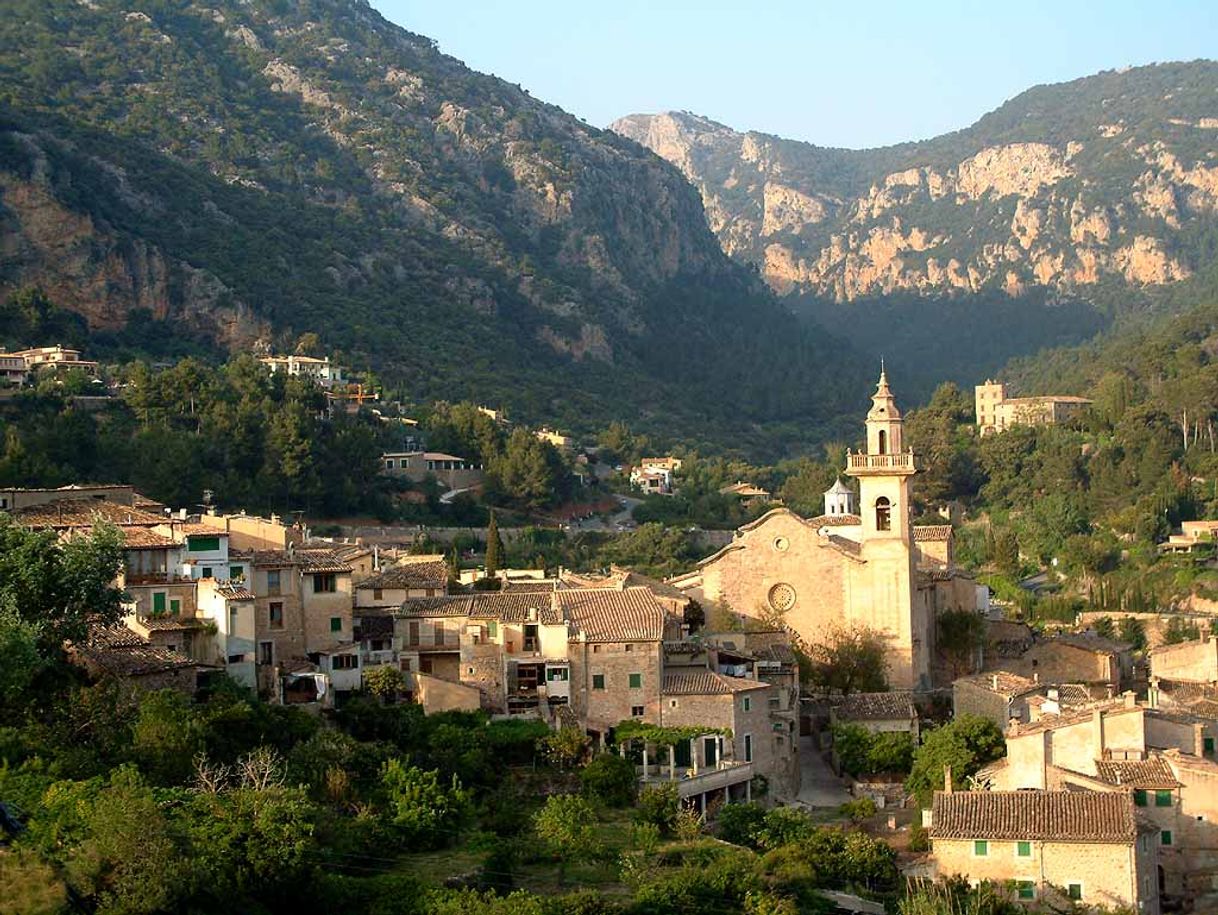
203, 544
336, 624
748, 704
1163, 798
981, 848
1165, 837
1023, 849
1075, 891
598, 681
1207, 746
1139, 797
492, 630
636, 681
158, 602
1027, 889
175, 607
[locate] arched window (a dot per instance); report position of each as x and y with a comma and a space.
883, 514
883, 442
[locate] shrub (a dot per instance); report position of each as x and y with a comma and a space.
741, 824
610, 779
659, 805
859, 809
424, 812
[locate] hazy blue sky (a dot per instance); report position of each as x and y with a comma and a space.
853, 73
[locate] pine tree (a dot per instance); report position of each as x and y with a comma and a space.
494, 547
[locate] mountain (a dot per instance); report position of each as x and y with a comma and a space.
1068, 205
237, 171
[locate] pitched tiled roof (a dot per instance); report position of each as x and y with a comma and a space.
514, 607
835, 521
322, 561
610, 615
452, 605
1062, 816
1072, 717
169, 623
121, 652
530, 585
274, 558
1136, 773
846, 545
891, 706
65, 513
142, 538
706, 683
930, 533
430, 574
1002, 682
235, 592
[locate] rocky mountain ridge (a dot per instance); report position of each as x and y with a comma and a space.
252, 170
1108, 180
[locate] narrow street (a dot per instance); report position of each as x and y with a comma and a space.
819, 787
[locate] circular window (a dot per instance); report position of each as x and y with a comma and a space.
781, 544
782, 597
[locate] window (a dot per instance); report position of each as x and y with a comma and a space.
1074, 891
236, 658
207, 572
437, 633
266, 652
344, 662
629, 647
203, 544
236, 572
389, 463
636, 711
672, 703
636, 681
336, 624
598, 681
1165, 837
1163, 798
272, 581
158, 602
596, 649
883, 442
492, 630
175, 606
1139, 798
275, 615
748, 747
1027, 889
883, 514
1207, 746
981, 848
747, 703
325, 583
1023, 849
558, 674
530, 636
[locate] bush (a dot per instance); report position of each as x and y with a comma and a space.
610, 779
784, 825
424, 812
741, 824
859, 809
659, 805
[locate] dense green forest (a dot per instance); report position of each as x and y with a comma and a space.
240, 177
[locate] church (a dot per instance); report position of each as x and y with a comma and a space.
871, 567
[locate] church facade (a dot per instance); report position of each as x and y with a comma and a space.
844, 569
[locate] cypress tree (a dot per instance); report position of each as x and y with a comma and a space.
494, 547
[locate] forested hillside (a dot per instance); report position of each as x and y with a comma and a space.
251, 171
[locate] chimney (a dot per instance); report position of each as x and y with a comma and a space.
1097, 733
1131, 698
947, 779
1036, 677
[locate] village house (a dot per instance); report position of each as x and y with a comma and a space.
52, 358
1194, 661
1193, 535
890, 712
1104, 665
840, 570
1000, 696
996, 412
115, 652
320, 370
16, 498
411, 577
13, 372
1089, 847
416, 466
557, 439
229, 606
749, 495
250, 532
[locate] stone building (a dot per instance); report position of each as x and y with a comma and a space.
891, 712
1000, 696
872, 569
1194, 661
1104, 665
996, 412
1088, 846
411, 577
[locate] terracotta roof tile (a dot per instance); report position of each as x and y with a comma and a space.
65, 513
1063, 816
1136, 773
891, 706
453, 605
322, 561
514, 607
1002, 682
235, 592
610, 615
706, 683
430, 574
142, 538
932, 533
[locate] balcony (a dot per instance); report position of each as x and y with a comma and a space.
722, 775
379, 658
858, 464
153, 578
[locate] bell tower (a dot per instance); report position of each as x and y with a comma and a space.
886, 580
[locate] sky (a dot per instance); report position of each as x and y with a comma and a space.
859, 73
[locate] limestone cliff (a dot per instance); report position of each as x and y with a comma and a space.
1065, 188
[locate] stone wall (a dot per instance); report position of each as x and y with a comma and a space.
604, 708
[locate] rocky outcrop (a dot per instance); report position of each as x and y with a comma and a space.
986, 208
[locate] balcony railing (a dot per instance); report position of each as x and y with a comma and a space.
377, 658
154, 578
724, 773
901, 461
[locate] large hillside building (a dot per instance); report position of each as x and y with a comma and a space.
840, 569
996, 412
